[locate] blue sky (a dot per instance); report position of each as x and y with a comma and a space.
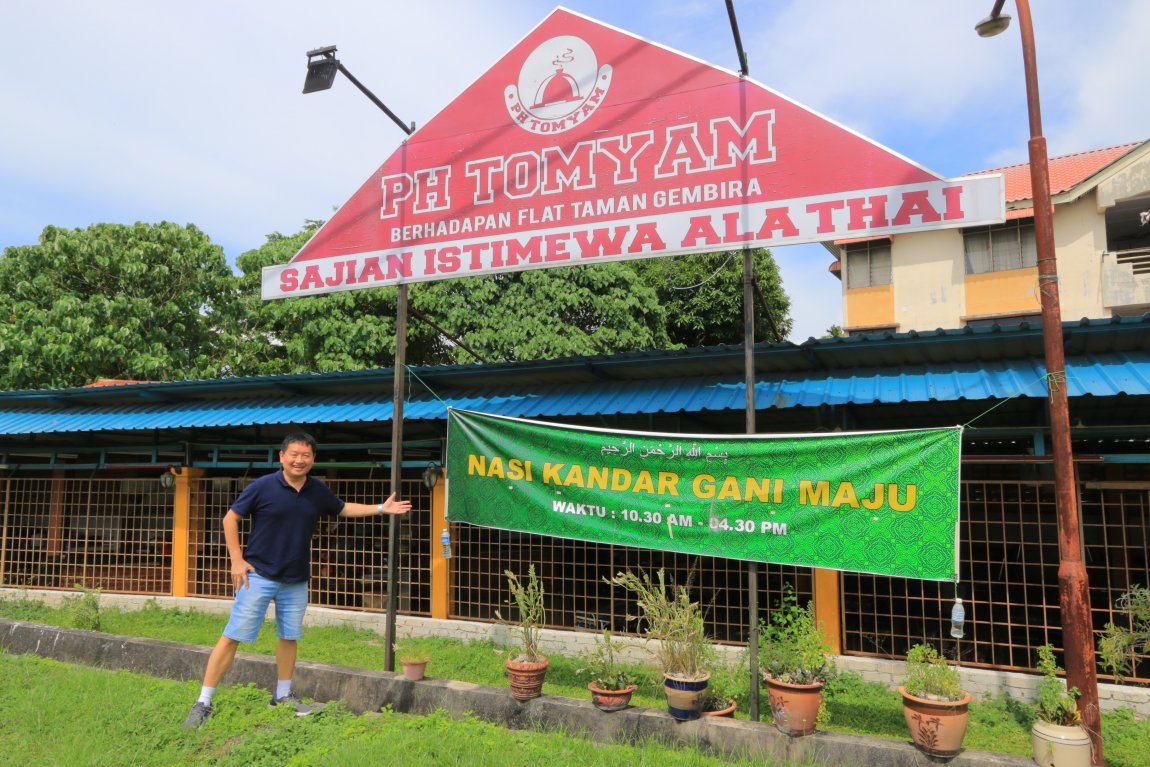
141, 110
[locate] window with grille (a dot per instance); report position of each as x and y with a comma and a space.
1000, 248
868, 263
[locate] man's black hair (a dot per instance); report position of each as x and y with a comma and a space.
298, 436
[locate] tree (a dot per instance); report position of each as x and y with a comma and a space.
595, 309
145, 301
703, 297
547, 313
535, 314
835, 331
349, 330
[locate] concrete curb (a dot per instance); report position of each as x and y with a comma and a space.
366, 690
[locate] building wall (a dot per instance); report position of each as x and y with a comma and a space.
927, 275
1079, 242
930, 289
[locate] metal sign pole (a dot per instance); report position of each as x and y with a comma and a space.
396, 473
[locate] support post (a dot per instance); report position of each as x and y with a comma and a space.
183, 550
440, 567
1073, 583
752, 567
396, 472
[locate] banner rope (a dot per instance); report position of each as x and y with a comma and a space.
1054, 378
415, 375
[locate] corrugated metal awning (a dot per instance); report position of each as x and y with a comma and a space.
1097, 375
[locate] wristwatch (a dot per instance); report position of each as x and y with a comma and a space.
379, 508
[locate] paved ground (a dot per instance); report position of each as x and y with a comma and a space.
366, 690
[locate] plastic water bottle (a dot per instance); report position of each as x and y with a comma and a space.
957, 618
445, 539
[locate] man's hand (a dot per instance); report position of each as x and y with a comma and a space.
392, 506
240, 571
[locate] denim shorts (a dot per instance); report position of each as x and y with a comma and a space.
252, 604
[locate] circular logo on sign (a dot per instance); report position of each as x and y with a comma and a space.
560, 85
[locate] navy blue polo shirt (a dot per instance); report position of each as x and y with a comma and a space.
283, 521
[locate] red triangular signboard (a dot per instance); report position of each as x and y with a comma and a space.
586, 144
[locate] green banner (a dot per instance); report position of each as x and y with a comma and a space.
872, 502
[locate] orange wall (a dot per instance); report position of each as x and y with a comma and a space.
870, 306
1014, 291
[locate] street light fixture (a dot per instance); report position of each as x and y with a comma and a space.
321, 68
1073, 583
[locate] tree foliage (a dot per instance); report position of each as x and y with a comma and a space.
703, 297
349, 330
160, 302
146, 301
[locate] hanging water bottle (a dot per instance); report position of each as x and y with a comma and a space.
957, 618
445, 539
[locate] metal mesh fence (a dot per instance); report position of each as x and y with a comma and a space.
349, 556
111, 534
117, 534
574, 575
1009, 577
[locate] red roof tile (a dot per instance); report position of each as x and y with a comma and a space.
1066, 171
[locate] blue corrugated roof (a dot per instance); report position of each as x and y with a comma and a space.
1097, 375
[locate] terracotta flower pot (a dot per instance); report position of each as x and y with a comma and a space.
685, 696
1056, 745
526, 677
795, 706
729, 711
413, 669
937, 726
611, 700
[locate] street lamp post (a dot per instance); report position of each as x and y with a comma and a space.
1073, 583
322, 66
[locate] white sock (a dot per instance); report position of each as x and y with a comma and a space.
206, 694
283, 688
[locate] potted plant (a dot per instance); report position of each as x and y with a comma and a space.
527, 667
796, 665
682, 649
729, 685
934, 703
413, 657
611, 685
1057, 737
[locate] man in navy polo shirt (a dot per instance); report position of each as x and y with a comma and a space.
284, 509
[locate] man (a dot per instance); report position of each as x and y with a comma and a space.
284, 509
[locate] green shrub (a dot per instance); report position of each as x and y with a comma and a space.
83, 610
1055, 703
929, 676
792, 647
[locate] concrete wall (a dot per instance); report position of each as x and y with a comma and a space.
1080, 241
926, 270
978, 682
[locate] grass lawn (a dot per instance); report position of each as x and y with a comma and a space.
855, 706
52, 713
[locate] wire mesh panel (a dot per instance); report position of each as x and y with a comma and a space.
574, 576
348, 558
1008, 539
1009, 571
1115, 525
110, 534
27, 563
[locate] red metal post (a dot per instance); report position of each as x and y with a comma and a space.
1073, 583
